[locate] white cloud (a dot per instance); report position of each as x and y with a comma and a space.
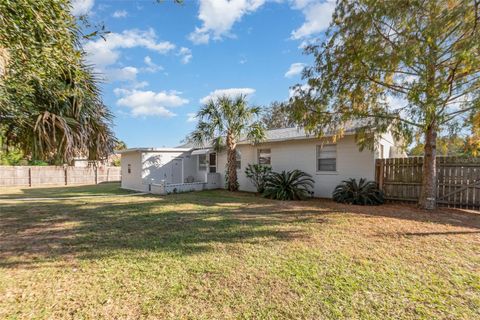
300, 4
191, 117
219, 16
81, 7
149, 103
295, 69
151, 66
106, 52
139, 85
186, 55
231, 92
121, 74
120, 14
317, 17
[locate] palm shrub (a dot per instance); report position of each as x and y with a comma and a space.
258, 175
223, 121
288, 185
363, 193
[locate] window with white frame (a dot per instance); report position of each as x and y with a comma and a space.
212, 163
264, 157
327, 158
129, 168
202, 162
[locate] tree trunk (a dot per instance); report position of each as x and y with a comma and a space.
231, 164
429, 178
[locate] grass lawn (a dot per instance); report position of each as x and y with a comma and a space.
109, 188
217, 255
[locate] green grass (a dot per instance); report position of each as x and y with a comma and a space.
110, 188
218, 255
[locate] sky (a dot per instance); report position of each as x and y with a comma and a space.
162, 61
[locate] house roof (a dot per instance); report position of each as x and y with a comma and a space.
274, 135
294, 133
154, 150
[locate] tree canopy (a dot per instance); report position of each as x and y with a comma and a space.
50, 104
277, 115
409, 66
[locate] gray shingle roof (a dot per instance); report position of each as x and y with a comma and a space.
282, 134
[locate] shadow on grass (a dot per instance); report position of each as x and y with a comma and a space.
444, 216
105, 188
181, 224
184, 224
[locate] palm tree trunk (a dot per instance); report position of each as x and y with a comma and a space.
231, 164
429, 179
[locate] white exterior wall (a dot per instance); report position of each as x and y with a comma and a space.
157, 166
301, 154
387, 141
132, 180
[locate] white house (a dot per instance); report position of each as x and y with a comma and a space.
187, 168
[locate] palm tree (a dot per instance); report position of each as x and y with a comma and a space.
50, 102
223, 121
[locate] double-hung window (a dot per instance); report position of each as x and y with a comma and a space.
327, 158
212, 163
264, 157
202, 162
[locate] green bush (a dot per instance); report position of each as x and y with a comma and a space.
288, 185
258, 175
362, 193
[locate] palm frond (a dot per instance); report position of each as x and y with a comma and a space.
362, 192
288, 185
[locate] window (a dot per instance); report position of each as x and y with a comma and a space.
129, 168
264, 157
327, 157
238, 159
213, 162
202, 162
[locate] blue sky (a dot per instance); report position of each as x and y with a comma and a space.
160, 61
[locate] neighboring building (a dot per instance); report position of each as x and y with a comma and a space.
188, 168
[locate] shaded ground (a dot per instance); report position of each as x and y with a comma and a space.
217, 255
107, 188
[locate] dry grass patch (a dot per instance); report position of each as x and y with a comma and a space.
218, 255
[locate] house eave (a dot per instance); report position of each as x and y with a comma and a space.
145, 150
246, 142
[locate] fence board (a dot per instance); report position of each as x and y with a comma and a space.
458, 180
56, 175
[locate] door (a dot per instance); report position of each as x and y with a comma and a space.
177, 171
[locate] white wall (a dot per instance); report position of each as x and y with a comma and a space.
132, 180
157, 166
301, 154
387, 141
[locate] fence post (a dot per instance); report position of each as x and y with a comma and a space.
96, 173
29, 177
65, 171
379, 173
382, 166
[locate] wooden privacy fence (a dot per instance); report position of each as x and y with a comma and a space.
56, 175
458, 180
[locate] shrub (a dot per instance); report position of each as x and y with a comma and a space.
363, 193
290, 185
258, 174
